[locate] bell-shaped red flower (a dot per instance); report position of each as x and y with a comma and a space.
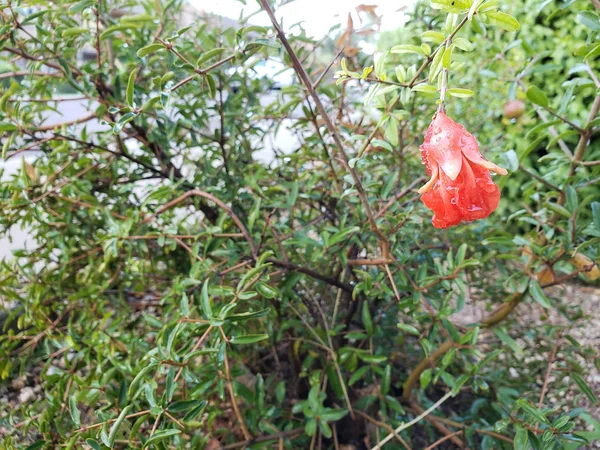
460, 187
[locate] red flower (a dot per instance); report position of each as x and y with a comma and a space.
460, 187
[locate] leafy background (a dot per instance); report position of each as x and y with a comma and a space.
187, 291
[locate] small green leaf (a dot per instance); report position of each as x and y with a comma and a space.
70, 32
447, 58
212, 87
503, 20
589, 19
184, 405
248, 338
130, 88
408, 328
209, 55
114, 429
536, 95
433, 36
584, 387
160, 436
532, 410
205, 301
425, 378
265, 290
460, 93
538, 294
407, 48
148, 49
74, 411
425, 88
596, 214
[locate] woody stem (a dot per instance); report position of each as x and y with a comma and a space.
444, 85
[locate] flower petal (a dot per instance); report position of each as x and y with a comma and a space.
434, 177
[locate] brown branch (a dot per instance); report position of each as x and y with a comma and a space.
497, 316
330, 127
548, 371
206, 195
271, 437
236, 409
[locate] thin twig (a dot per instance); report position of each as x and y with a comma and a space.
414, 421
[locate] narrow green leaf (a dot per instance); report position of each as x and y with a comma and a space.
536, 95
460, 93
205, 301
503, 20
584, 387
114, 429
532, 410
130, 88
248, 338
209, 55
148, 49
74, 411
160, 436
538, 294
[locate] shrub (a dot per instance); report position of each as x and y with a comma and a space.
192, 281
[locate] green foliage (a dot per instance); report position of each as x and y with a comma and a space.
188, 283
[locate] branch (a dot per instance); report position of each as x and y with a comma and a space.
206, 195
330, 127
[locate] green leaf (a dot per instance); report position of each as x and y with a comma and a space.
536, 95
503, 20
450, 6
510, 342
114, 429
205, 301
194, 412
5, 126
436, 65
408, 328
248, 338
555, 207
407, 48
572, 202
94, 444
209, 55
265, 290
70, 32
460, 93
123, 120
596, 214
425, 378
433, 36
148, 49
184, 405
130, 88
425, 88
535, 413
161, 436
447, 58
589, 19
212, 87
139, 377
538, 294
74, 411
386, 380
584, 387
521, 440
342, 235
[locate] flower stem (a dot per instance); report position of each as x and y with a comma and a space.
444, 85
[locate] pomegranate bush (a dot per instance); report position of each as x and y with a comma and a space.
222, 260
